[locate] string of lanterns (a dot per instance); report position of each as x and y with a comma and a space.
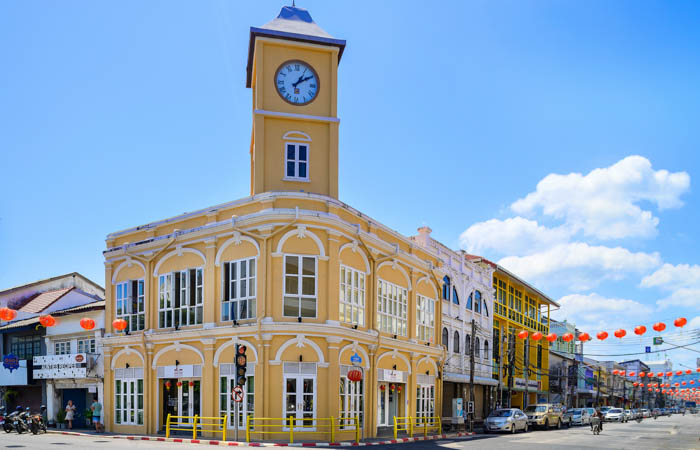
601, 335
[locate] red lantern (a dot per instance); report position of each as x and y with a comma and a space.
382, 387
650, 389
87, 323
632, 373
641, 374
659, 326
620, 333
640, 330
536, 336
615, 372
167, 384
47, 321
683, 383
679, 372
392, 386
697, 370
551, 337
680, 322
692, 382
523, 334
668, 374
398, 389
179, 383
7, 314
583, 337
622, 373
567, 337
602, 335
119, 324
635, 384
355, 375
650, 375
688, 372
191, 383
676, 384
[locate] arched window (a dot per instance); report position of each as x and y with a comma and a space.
467, 345
486, 349
445, 337
469, 301
476, 347
447, 284
455, 341
455, 297
477, 302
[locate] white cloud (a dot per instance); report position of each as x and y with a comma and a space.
513, 236
605, 203
595, 312
579, 266
694, 323
671, 277
684, 297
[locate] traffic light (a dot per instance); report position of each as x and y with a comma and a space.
241, 364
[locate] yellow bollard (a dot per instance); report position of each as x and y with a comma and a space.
425, 428
357, 429
395, 427
194, 427
410, 426
167, 427
332, 429
291, 429
247, 429
223, 430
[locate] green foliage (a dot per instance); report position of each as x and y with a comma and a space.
61, 416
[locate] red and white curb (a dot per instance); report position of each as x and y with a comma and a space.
268, 444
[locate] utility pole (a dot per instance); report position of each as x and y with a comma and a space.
597, 397
574, 385
511, 367
526, 370
471, 375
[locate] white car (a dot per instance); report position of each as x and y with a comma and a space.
506, 419
614, 415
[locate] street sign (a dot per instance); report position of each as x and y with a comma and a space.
647, 349
356, 359
658, 340
237, 394
470, 407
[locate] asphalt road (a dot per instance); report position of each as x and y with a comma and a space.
676, 432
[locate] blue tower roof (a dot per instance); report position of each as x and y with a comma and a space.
294, 24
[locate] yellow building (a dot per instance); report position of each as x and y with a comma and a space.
519, 306
300, 278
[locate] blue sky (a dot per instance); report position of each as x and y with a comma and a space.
114, 114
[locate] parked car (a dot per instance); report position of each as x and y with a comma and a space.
546, 415
580, 416
566, 417
636, 414
506, 419
628, 415
614, 415
591, 412
645, 413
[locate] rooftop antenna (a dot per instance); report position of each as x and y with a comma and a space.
293, 4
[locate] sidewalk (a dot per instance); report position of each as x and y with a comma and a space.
265, 444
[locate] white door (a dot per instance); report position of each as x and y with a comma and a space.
300, 401
388, 404
228, 405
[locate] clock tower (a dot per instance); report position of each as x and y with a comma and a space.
293, 73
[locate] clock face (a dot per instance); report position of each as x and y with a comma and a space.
297, 82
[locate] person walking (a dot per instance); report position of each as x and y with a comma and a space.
96, 408
70, 413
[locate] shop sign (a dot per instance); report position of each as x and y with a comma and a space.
179, 371
532, 384
73, 365
356, 359
10, 362
393, 376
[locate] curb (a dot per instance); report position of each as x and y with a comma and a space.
268, 444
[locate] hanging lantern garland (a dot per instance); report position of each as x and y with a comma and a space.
7, 314
47, 321
87, 324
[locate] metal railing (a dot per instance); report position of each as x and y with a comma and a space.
196, 423
412, 425
293, 426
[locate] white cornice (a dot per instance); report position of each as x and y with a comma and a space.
296, 116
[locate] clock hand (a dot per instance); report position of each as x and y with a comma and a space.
300, 79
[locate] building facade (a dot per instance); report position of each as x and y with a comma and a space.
466, 297
303, 280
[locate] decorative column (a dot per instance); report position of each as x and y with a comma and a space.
210, 288
412, 306
332, 305
150, 385
370, 430
333, 376
412, 385
108, 404
209, 385
108, 297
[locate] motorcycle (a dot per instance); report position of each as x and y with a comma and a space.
595, 425
14, 422
5, 424
36, 422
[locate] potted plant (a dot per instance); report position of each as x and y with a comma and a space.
61, 418
88, 417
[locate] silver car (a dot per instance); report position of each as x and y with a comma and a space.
614, 415
506, 419
580, 416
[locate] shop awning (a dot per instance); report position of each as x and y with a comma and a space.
462, 378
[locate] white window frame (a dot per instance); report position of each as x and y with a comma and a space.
87, 345
425, 400
299, 296
168, 306
125, 298
296, 161
392, 308
228, 408
425, 319
352, 295
129, 401
351, 400
237, 283
61, 348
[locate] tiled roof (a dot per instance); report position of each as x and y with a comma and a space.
32, 320
44, 300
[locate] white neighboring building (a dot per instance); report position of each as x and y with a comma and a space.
73, 365
467, 294
659, 366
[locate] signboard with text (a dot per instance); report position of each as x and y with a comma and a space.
73, 365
